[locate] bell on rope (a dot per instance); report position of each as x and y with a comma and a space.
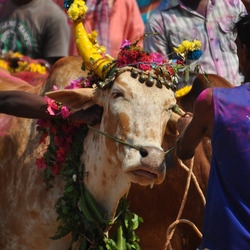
150, 80
158, 84
143, 78
134, 73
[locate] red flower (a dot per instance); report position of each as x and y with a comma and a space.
41, 163
60, 155
170, 70
43, 123
43, 138
55, 169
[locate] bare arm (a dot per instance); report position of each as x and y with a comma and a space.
23, 104
28, 105
192, 129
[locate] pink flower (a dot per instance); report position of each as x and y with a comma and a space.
51, 105
55, 87
156, 57
87, 84
125, 43
75, 84
65, 112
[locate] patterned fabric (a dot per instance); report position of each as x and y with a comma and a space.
101, 12
148, 7
227, 214
176, 23
125, 22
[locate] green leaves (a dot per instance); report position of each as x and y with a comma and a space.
78, 212
126, 224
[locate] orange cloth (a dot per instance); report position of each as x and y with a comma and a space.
125, 23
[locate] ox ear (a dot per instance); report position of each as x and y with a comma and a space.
74, 98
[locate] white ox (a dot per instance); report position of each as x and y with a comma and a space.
133, 112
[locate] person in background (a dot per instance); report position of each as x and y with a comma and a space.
223, 115
148, 7
34, 28
27, 105
210, 22
114, 21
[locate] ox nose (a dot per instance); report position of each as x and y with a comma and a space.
143, 152
153, 160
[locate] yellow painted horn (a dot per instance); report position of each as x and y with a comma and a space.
92, 58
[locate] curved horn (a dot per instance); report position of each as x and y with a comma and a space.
92, 59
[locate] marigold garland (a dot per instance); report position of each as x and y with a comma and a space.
22, 64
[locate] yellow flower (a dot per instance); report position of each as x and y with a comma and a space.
92, 36
187, 46
77, 10
93, 39
17, 54
183, 91
36, 68
4, 64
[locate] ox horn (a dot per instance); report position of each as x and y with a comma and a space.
92, 58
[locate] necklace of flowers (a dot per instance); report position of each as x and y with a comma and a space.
78, 212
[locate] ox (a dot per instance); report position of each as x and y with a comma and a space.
27, 214
132, 112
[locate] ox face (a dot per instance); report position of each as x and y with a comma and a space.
136, 114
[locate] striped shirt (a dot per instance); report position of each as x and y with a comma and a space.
175, 23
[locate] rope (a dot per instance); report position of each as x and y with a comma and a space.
196, 184
172, 227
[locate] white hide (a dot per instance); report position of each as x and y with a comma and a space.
110, 169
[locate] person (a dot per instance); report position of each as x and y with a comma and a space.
28, 105
147, 8
223, 115
114, 21
34, 28
208, 21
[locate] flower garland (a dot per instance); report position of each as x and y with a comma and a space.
135, 56
16, 62
77, 210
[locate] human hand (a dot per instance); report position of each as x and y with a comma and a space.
183, 121
90, 116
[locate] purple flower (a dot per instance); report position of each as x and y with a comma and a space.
75, 84
125, 43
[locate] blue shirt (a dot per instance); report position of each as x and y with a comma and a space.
227, 213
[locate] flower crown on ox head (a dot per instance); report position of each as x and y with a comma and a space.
104, 69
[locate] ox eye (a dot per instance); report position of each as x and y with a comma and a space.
117, 94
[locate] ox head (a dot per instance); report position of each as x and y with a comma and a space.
132, 112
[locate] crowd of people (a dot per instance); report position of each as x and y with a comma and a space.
40, 29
